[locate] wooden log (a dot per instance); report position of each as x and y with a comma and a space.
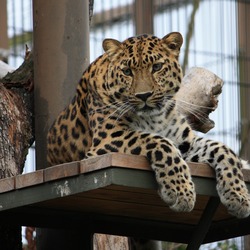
198, 97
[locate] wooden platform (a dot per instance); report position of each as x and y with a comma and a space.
117, 194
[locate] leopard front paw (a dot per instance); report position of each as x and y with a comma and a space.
237, 202
179, 198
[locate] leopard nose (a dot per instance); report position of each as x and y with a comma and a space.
144, 96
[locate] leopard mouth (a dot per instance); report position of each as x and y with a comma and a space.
145, 105
146, 108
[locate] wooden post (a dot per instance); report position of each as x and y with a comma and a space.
244, 73
61, 52
144, 16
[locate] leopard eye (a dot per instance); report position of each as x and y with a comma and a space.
127, 71
157, 67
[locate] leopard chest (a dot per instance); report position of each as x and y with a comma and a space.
148, 123
173, 127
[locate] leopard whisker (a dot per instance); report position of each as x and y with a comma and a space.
194, 105
200, 115
114, 105
189, 107
119, 111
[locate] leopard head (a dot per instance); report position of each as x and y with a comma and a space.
143, 71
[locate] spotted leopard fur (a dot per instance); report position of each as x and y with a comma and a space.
125, 102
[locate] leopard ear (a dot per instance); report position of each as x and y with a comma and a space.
173, 41
111, 46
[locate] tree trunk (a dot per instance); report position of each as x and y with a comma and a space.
16, 136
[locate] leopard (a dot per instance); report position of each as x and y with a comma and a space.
125, 103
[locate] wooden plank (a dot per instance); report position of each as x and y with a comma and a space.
61, 171
53, 189
121, 177
114, 160
103, 162
201, 169
96, 163
108, 201
135, 162
140, 162
7, 184
30, 179
122, 208
134, 196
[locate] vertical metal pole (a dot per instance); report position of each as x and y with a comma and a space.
144, 16
244, 71
244, 74
61, 52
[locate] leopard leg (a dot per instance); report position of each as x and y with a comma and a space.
228, 166
172, 172
175, 185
